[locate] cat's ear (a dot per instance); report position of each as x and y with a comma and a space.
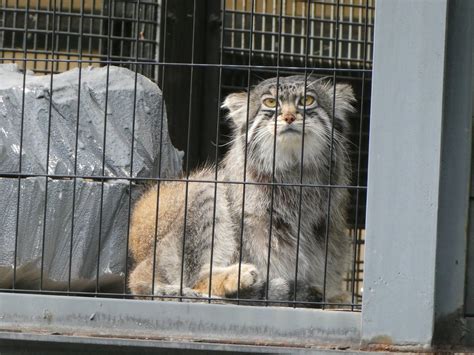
345, 100
236, 103
344, 104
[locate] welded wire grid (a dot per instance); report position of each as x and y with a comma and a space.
87, 32
258, 39
339, 38
354, 20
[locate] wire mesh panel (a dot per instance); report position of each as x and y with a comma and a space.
74, 31
314, 24
353, 19
263, 200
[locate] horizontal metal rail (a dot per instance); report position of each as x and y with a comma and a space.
184, 180
35, 343
271, 68
137, 319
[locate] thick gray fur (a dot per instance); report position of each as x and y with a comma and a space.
260, 199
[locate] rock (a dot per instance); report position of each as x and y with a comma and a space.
62, 106
45, 243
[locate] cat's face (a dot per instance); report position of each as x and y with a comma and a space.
278, 121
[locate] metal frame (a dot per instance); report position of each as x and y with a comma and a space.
190, 16
81, 316
419, 173
469, 307
94, 345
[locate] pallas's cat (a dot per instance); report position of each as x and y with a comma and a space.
236, 230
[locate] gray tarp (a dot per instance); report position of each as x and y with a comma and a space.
58, 118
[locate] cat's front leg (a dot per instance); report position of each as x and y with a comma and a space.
225, 280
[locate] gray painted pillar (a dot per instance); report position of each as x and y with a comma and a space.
419, 162
454, 189
470, 253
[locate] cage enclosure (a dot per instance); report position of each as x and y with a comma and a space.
197, 54
214, 155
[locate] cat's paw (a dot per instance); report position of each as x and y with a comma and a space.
249, 278
173, 293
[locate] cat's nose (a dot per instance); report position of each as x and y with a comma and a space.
289, 117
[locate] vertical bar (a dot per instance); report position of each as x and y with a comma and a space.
20, 157
371, 34
91, 29
242, 216
300, 202
350, 37
252, 29
101, 26
331, 32
469, 306
142, 47
305, 8
216, 157
274, 154
362, 19
418, 175
157, 30
293, 30
46, 38
321, 30
264, 26
58, 24
76, 144
35, 36
2, 33
454, 176
187, 149
122, 34
68, 37
148, 29
57, 42
359, 155
233, 25
284, 29
244, 18
132, 145
14, 25
104, 141
112, 15
163, 72
339, 30
274, 12
50, 110
331, 151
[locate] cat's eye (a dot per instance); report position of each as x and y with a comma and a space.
306, 101
270, 102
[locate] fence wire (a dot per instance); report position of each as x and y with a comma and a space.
237, 43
